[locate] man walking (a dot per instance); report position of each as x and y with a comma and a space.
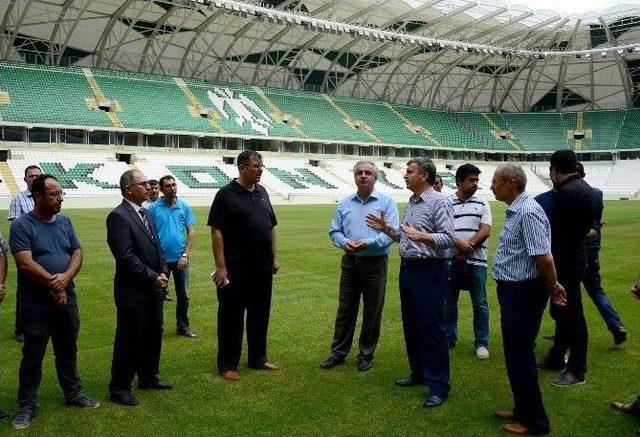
21, 204
592, 281
525, 274
364, 266
472, 226
174, 221
48, 257
571, 219
138, 285
425, 236
243, 238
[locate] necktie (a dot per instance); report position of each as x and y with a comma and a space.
145, 220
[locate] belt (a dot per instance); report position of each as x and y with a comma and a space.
524, 282
422, 261
364, 257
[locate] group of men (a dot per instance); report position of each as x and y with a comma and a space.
542, 253
442, 240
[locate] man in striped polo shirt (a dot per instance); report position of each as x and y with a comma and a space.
472, 226
524, 271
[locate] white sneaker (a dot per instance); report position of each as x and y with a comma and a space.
482, 353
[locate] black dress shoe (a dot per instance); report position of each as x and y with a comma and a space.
408, 381
331, 362
433, 401
155, 385
364, 364
124, 399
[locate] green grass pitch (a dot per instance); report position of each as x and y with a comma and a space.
302, 399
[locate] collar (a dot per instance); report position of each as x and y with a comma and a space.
136, 208
573, 177
235, 186
455, 196
27, 193
374, 195
423, 196
167, 205
517, 202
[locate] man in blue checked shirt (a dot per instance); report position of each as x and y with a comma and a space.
426, 237
525, 273
364, 266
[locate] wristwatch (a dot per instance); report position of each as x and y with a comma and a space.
185, 255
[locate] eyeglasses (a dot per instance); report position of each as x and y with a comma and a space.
493, 182
142, 184
54, 194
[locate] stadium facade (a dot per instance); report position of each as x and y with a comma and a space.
314, 84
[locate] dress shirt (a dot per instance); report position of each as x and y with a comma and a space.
432, 213
349, 223
526, 233
21, 204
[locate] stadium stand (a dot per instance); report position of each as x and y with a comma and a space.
94, 98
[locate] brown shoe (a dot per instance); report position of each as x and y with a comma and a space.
515, 428
231, 375
625, 408
504, 415
268, 366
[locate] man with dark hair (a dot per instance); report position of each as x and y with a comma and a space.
524, 272
153, 193
438, 184
472, 227
174, 221
363, 267
21, 204
571, 219
138, 285
592, 281
243, 240
48, 257
425, 236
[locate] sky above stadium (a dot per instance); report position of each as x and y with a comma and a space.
571, 6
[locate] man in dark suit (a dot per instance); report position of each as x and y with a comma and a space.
138, 284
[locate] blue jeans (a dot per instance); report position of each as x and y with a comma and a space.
478, 294
181, 284
521, 307
593, 286
422, 293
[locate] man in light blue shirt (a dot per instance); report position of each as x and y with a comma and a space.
174, 222
364, 266
525, 274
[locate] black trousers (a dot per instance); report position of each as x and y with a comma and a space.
137, 346
248, 292
571, 329
366, 276
62, 326
521, 307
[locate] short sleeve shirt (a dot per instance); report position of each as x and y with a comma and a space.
172, 222
51, 246
246, 220
467, 218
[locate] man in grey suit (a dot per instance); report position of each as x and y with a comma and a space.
138, 284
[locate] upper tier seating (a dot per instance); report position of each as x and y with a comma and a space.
40, 95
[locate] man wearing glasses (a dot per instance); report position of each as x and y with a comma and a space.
139, 282
48, 257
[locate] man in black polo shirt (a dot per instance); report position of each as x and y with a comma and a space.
571, 220
244, 248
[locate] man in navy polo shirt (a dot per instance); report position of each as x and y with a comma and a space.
243, 236
174, 222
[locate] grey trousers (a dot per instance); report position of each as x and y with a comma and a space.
366, 276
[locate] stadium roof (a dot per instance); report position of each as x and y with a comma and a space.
454, 54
